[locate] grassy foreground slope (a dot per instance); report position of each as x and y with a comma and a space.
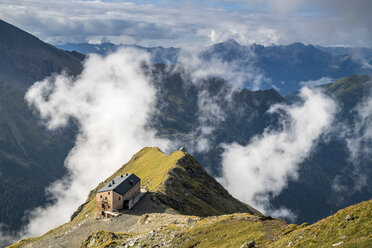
350, 227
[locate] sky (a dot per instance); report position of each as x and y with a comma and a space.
194, 23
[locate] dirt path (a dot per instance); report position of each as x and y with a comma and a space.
74, 234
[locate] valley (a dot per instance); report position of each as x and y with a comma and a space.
187, 198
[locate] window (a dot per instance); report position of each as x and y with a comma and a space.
100, 196
105, 198
108, 193
119, 198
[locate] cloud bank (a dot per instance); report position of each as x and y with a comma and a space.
261, 169
112, 101
320, 81
201, 64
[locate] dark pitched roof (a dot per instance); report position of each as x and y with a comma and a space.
121, 184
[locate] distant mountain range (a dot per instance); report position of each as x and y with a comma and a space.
31, 157
284, 68
158, 54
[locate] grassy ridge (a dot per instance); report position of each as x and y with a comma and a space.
177, 181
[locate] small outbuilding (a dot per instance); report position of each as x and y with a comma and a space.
120, 193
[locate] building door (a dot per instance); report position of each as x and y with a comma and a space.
126, 204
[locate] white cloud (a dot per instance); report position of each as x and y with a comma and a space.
210, 114
196, 68
261, 169
184, 23
112, 101
360, 136
320, 81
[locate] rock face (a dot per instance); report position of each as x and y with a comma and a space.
248, 244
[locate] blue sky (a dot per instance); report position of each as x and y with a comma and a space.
194, 23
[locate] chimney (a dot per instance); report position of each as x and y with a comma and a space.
126, 174
113, 181
121, 175
109, 184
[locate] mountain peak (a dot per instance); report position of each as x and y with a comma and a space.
179, 191
228, 44
297, 44
232, 42
176, 182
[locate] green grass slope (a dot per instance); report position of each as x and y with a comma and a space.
349, 227
175, 181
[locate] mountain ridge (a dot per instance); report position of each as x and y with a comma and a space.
175, 170
283, 67
154, 221
179, 186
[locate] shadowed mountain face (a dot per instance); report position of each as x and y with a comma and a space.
30, 156
285, 68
